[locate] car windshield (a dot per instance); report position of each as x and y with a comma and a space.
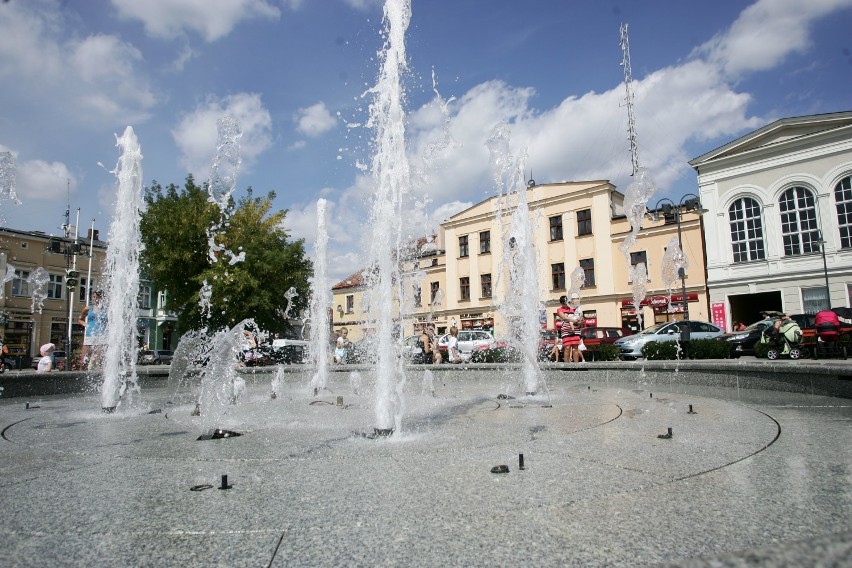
760, 324
654, 328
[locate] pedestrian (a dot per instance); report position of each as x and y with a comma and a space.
94, 318
3, 352
426, 346
453, 346
556, 352
571, 317
45, 364
437, 358
341, 346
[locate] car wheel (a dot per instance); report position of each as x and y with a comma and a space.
772, 354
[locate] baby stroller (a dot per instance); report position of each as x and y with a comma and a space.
785, 341
828, 343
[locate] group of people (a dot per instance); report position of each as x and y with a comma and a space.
428, 343
569, 322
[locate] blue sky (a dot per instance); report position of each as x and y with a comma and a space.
294, 73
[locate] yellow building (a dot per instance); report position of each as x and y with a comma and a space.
25, 329
459, 275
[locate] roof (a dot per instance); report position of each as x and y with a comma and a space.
778, 132
352, 281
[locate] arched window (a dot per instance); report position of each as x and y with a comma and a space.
746, 230
843, 199
798, 221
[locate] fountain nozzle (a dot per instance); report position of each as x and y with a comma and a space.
225, 484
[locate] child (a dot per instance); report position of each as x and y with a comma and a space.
46, 362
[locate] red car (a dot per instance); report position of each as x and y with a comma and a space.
595, 336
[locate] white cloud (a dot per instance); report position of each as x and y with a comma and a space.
365, 4
211, 19
195, 133
314, 120
44, 181
765, 33
90, 78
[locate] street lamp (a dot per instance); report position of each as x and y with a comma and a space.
689, 202
824, 269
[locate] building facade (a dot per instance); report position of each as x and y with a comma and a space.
459, 277
25, 327
779, 230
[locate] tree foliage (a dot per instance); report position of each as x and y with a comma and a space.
174, 233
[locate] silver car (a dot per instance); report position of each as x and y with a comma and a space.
469, 340
630, 347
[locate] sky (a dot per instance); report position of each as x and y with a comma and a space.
297, 74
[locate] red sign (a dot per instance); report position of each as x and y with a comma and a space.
719, 316
658, 301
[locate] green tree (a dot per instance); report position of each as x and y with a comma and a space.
174, 232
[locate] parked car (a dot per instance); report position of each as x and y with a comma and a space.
630, 347
593, 337
468, 341
286, 351
410, 351
742, 342
59, 361
156, 357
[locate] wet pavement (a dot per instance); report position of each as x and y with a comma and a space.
749, 475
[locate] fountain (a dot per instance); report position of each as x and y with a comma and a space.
520, 305
391, 178
299, 489
122, 276
320, 303
38, 280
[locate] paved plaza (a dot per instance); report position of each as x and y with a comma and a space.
751, 475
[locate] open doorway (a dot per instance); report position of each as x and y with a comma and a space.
746, 308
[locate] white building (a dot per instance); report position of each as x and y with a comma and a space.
775, 196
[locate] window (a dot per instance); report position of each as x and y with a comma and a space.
418, 295
464, 288
434, 287
746, 230
640, 257
485, 279
83, 288
556, 228
588, 266
463, 246
814, 299
843, 199
557, 273
54, 286
143, 300
485, 242
20, 286
350, 301
798, 222
584, 222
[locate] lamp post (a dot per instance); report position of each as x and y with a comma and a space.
824, 269
689, 202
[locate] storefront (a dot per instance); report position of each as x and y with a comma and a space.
664, 309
